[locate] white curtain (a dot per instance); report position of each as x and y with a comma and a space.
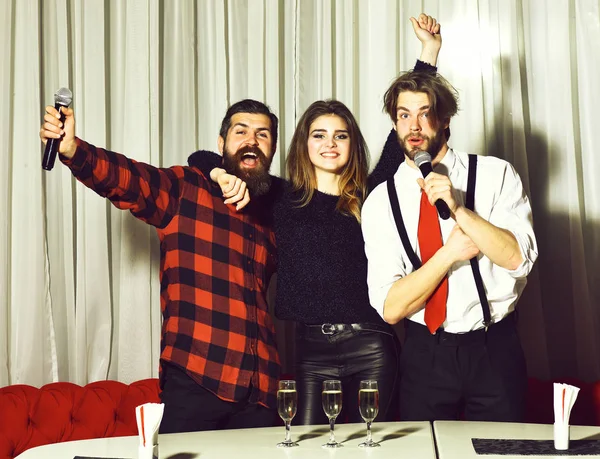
79, 292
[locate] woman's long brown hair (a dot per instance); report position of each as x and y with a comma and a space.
353, 178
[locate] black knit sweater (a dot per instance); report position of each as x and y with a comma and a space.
322, 266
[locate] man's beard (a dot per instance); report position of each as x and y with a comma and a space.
258, 180
433, 145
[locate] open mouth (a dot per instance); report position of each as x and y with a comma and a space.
250, 159
416, 141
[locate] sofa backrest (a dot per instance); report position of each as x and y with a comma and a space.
64, 411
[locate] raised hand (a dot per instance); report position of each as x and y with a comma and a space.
53, 128
427, 29
428, 32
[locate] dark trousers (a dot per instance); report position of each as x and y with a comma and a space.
189, 407
480, 375
350, 356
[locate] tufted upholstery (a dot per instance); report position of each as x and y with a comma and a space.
64, 411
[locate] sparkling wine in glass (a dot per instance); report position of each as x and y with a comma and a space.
332, 405
287, 404
368, 405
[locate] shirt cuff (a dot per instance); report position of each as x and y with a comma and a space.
526, 265
422, 66
78, 160
378, 296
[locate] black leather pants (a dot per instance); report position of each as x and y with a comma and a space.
350, 356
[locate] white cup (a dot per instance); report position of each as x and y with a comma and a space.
561, 436
148, 452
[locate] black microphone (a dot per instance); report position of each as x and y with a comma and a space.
423, 161
62, 98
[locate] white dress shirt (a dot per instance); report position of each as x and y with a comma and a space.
499, 199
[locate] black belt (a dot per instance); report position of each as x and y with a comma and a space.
416, 330
333, 329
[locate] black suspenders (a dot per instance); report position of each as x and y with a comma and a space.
400, 224
470, 203
410, 251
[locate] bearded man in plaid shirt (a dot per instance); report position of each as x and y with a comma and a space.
219, 362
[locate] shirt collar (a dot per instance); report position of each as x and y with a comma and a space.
447, 163
445, 166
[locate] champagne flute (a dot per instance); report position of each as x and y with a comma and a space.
287, 404
332, 405
368, 405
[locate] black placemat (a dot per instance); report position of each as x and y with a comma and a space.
485, 446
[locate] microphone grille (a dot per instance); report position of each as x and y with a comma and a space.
63, 96
422, 157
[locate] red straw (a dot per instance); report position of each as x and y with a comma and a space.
144, 434
563, 403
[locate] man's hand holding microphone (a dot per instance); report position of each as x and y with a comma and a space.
58, 133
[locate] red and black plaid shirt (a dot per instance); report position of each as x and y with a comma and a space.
215, 268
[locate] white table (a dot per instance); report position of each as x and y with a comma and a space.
412, 440
453, 438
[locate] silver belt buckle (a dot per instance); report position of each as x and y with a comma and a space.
327, 329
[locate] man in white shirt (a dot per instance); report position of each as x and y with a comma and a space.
461, 364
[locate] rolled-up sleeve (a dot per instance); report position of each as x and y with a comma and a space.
512, 211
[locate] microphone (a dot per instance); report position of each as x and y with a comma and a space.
62, 98
423, 162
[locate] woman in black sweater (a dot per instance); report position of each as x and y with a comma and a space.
322, 267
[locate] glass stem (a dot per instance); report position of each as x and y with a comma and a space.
369, 439
288, 433
331, 425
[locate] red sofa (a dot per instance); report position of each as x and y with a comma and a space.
63, 411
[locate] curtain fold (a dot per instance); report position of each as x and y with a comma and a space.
153, 79
132, 255
6, 77
30, 354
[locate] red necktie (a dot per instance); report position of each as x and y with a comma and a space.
430, 241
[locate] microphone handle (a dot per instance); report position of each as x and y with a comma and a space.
441, 206
443, 209
52, 145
